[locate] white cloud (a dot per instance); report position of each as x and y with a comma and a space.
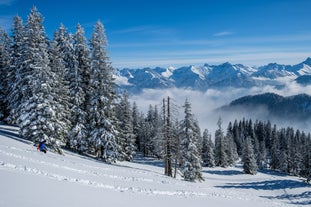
224, 33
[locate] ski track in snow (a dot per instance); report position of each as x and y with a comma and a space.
84, 171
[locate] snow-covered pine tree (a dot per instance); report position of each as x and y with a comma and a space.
15, 94
125, 126
190, 156
38, 116
208, 154
248, 159
79, 77
5, 62
221, 157
103, 133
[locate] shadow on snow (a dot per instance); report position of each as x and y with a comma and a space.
12, 133
140, 159
268, 185
305, 198
223, 172
301, 199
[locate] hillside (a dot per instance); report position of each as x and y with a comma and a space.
296, 107
30, 178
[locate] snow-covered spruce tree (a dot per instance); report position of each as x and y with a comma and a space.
15, 93
221, 157
79, 77
144, 133
306, 164
208, 154
190, 155
297, 152
167, 137
283, 156
231, 149
126, 136
147, 141
5, 62
198, 132
60, 92
237, 132
157, 134
260, 134
275, 149
248, 158
38, 109
101, 111
136, 125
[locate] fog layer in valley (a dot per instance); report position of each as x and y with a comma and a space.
205, 104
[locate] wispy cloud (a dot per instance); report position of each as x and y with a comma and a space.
252, 51
224, 33
146, 29
7, 2
132, 30
247, 57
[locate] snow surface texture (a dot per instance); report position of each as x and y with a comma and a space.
30, 178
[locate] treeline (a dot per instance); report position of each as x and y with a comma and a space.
262, 146
62, 90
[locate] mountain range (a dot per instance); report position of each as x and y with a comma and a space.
211, 76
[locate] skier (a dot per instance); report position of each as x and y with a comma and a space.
42, 146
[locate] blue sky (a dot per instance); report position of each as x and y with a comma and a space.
166, 33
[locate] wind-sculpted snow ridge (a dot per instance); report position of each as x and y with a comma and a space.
29, 177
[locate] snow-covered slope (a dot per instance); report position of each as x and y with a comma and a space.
209, 76
30, 178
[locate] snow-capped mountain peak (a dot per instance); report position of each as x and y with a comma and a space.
198, 71
209, 76
168, 72
304, 68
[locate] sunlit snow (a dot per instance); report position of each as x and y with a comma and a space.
30, 178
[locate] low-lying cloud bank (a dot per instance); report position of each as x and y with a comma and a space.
204, 104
